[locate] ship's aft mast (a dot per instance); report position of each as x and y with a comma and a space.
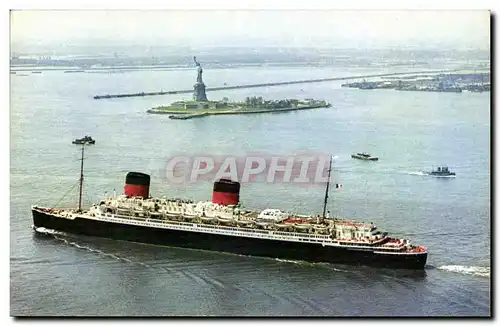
327, 187
81, 181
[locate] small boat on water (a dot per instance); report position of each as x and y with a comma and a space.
364, 156
85, 140
441, 171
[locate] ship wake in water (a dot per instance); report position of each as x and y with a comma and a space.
59, 236
415, 173
43, 230
467, 270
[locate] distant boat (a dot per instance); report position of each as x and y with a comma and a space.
84, 140
442, 171
364, 156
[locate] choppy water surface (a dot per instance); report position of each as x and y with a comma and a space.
54, 273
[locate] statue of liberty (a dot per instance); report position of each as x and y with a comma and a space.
199, 88
199, 79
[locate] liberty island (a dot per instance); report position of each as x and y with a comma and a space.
200, 106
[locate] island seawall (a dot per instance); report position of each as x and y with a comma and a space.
176, 115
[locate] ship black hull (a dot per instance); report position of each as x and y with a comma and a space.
230, 244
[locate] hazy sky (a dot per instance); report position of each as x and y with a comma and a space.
370, 29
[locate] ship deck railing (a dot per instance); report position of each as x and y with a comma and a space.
243, 229
268, 234
233, 230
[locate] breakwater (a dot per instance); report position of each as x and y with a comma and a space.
305, 81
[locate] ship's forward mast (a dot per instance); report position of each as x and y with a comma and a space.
81, 181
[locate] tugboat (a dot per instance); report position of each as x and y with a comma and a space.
441, 171
364, 156
87, 140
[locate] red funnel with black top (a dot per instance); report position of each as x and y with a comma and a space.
137, 184
226, 192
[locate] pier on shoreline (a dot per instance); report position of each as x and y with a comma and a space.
306, 81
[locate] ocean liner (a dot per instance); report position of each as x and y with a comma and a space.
222, 224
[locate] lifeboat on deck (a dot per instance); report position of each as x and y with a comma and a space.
188, 217
245, 222
224, 220
297, 220
207, 218
320, 228
263, 224
302, 226
171, 215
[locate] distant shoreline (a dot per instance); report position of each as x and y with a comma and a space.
306, 81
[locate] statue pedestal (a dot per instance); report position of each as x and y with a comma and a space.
199, 92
